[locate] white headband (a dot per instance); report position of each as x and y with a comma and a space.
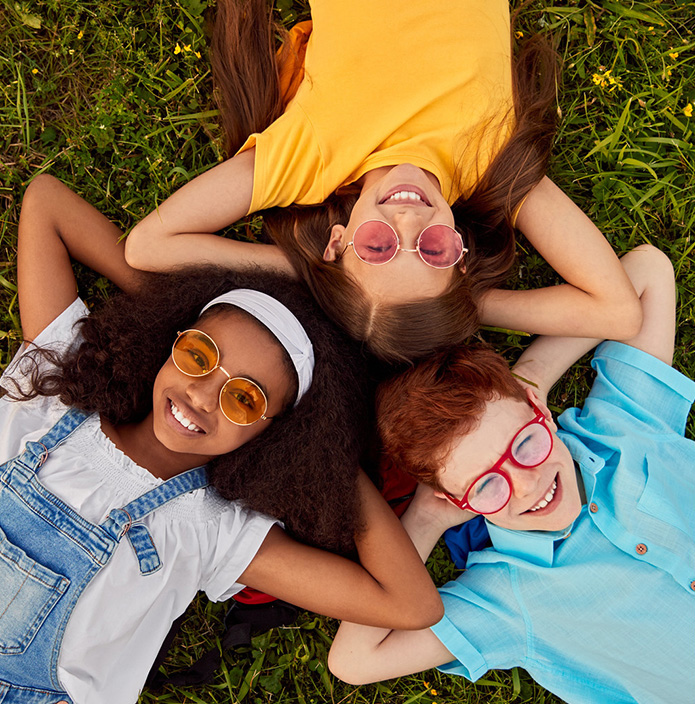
282, 323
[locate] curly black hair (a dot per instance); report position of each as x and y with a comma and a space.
302, 469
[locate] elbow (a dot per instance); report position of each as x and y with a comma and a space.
139, 247
627, 321
420, 613
349, 667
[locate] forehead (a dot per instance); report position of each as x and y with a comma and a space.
479, 449
240, 337
404, 278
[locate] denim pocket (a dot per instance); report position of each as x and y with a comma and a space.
28, 592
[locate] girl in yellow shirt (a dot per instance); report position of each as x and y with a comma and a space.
399, 145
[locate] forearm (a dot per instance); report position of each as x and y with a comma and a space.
56, 225
362, 654
597, 299
547, 358
390, 587
181, 230
555, 310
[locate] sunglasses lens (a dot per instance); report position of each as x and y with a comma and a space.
489, 494
194, 353
532, 445
242, 401
375, 242
440, 246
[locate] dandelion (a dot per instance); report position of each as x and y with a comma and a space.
177, 49
688, 110
674, 55
80, 34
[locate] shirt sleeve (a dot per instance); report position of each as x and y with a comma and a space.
652, 392
240, 535
482, 627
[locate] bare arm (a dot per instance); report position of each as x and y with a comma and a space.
651, 274
362, 654
181, 231
596, 301
56, 224
390, 587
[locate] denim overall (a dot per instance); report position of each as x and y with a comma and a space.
49, 554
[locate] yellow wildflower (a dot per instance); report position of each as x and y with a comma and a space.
80, 34
519, 34
688, 110
177, 50
650, 29
197, 54
36, 70
433, 692
186, 47
674, 55
427, 684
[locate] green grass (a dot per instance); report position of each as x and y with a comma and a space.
97, 94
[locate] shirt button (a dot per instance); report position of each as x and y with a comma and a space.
640, 548
593, 507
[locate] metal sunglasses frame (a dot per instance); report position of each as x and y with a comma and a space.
399, 248
230, 378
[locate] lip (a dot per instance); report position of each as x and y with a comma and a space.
407, 187
557, 499
188, 412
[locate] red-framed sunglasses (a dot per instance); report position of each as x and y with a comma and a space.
490, 491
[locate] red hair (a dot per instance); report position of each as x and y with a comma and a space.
420, 411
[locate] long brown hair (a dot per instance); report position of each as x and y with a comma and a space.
246, 73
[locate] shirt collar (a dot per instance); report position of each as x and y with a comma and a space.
535, 546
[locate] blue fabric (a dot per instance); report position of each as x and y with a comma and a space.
463, 539
48, 555
590, 614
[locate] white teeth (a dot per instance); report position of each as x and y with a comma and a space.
546, 499
405, 195
190, 425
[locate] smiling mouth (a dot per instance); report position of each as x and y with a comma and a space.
406, 195
550, 495
182, 420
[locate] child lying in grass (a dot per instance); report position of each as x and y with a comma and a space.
590, 583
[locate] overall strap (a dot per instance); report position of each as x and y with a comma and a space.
121, 521
36, 453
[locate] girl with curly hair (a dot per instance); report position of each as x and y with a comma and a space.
386, 129
181, 415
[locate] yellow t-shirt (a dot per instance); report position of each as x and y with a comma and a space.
387, 83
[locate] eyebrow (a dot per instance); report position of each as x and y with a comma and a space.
255, 381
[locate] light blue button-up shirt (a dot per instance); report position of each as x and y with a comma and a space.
603, 612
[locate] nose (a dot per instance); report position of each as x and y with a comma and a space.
409, 222
524, 481
204, 391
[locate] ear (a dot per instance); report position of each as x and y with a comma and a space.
530, 394
335, 246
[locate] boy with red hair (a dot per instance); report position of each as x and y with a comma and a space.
590, 581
